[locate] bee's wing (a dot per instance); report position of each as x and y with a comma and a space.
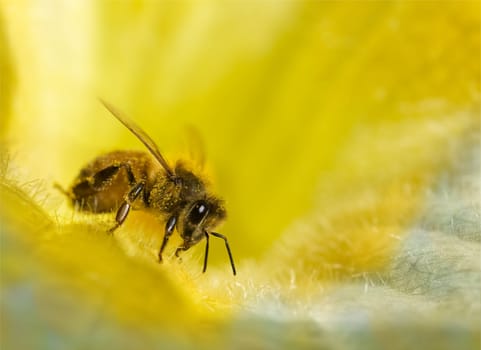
141, 135
195, 145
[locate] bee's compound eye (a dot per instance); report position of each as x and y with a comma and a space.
198, 212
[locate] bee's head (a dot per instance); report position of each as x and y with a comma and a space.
198, 217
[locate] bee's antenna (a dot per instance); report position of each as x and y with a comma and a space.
206, 251
228, 251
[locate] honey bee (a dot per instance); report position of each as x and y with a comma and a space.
124, 180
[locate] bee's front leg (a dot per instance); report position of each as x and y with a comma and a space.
180, 249
169, 229
124, 208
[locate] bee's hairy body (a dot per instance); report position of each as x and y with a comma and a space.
105, 184
102, 185
123, 180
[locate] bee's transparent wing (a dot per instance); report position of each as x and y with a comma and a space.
195, 145
141, 135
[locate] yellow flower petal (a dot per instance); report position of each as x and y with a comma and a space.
325, 126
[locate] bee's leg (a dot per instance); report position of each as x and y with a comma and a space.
228, 249
104, 176
58, 187
90, 185
124, 208
169, 228
182, 248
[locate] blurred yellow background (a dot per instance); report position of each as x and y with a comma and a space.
276, 89
324, 123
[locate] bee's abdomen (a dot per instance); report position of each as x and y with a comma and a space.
98, 194
103, 184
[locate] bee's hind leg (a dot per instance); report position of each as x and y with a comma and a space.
124, 208
58, 187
